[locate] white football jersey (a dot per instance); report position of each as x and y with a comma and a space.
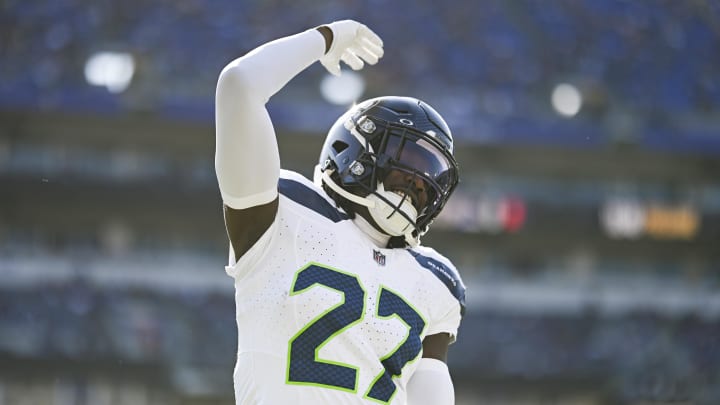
326, 317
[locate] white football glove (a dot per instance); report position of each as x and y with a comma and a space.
354, 44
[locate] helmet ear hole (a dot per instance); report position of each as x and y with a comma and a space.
339, 146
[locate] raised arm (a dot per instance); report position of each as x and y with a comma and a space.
247, 162
246, 157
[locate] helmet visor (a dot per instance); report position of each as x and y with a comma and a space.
421, 156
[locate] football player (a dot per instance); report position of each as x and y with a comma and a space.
337, 301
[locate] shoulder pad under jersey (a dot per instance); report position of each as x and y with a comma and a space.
445, 272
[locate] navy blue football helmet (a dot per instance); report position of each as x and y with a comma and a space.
391, 136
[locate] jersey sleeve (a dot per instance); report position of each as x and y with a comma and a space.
449, 302
247, 161
447, 320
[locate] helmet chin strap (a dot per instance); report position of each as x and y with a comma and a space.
352, 197
387, 216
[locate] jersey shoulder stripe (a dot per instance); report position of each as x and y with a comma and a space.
445, 273
309, 197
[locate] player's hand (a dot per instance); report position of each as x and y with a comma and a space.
353, 43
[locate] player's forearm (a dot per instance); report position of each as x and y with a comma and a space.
247, 161
266, 69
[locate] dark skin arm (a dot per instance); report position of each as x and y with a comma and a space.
436, 346
244, 227
328, 35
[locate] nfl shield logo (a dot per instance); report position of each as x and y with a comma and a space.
379, 257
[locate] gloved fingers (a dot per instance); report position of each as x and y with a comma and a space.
368, 34
352, 60
365, 54
373, 48
332, 67
354, 44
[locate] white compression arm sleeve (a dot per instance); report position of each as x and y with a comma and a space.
247, 162
431, 384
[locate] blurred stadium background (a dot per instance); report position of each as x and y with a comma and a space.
587, 226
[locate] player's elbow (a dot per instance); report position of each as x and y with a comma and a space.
235, 81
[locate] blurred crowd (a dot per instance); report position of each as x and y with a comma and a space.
647, 72
639, 355
645, 69
75, 320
